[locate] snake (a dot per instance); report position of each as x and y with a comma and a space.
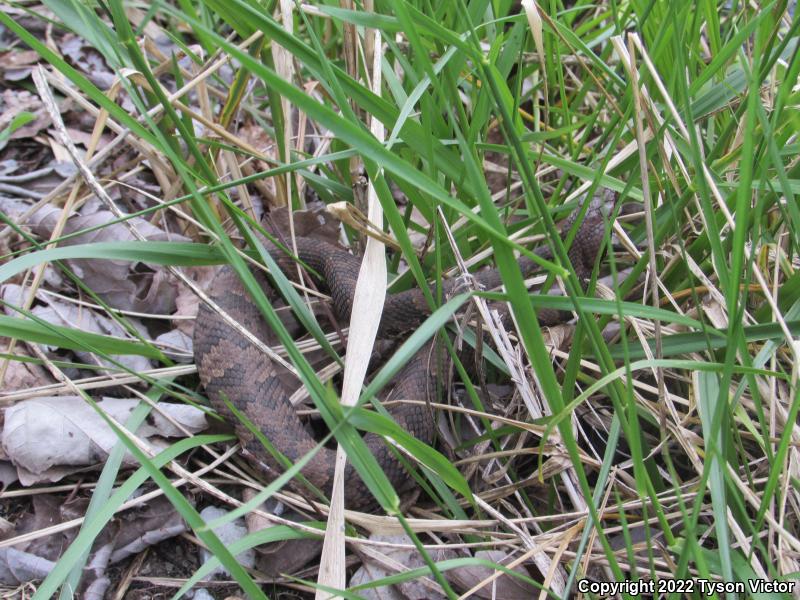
234, 372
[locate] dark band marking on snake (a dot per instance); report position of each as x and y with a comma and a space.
231, 367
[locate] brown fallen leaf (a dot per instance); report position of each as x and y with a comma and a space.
14, 102
16, 64
22, 375
146, 525
47, 510
123, 284
81, 137
129, 533
88, 60
187, 301
287, 556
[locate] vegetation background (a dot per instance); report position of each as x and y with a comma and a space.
656, 437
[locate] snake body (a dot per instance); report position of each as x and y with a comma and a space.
233, 369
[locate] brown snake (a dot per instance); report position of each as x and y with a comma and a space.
231, 367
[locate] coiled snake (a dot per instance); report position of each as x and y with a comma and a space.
231, 367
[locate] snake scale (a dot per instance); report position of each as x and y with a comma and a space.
231, 367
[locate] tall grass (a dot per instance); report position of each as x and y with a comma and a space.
667, 447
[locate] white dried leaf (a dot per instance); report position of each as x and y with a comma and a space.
505, 586
369, 572
384, 562
535, 23
8, 474
67, 314
51, 475
230, 532
64, 431
19, 567
177, 345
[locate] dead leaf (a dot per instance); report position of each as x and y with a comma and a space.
14, 102
383, 562
131, 532
139, 192
287, 556
48, 510
6, 528
13, 206
81, 137
123, 284
25, 184
557, 336
51, 475
67, 314
368, 573
505, 586
8, 475
88, 60
145, 526
18, 567
177, 345
22, 375
64, 431
228, 533
16, 64
187, 301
